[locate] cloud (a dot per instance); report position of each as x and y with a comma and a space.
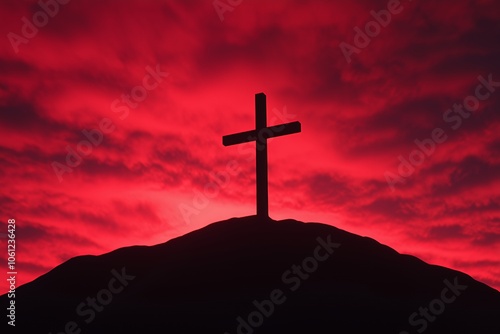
357, 119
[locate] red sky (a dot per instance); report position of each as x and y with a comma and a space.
359, 114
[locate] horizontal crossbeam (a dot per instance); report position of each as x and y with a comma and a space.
265, 133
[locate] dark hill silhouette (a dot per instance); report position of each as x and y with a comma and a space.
204, 281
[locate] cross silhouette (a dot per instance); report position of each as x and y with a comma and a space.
260, 135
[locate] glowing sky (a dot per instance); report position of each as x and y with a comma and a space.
165, 80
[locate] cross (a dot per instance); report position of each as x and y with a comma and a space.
260, 135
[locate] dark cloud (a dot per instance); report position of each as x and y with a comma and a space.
487, 239
446, 232
325, 189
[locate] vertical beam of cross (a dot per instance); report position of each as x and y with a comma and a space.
260, 135
261, 155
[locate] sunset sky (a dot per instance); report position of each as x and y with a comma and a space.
400, 123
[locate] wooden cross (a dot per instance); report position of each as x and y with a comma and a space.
260, 135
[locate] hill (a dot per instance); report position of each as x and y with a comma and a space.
248, 276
